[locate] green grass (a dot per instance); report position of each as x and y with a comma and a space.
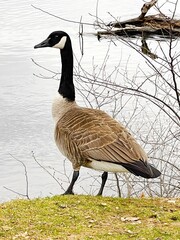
88, 217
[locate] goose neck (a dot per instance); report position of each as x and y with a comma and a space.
66, 87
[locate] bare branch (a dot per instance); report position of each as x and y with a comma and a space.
63, 19
52, 175
26, 179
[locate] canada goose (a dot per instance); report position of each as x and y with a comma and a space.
90, 137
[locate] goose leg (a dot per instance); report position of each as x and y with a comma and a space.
70, 188
104, 178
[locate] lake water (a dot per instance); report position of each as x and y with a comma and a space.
26, 125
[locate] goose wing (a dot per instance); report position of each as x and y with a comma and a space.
93, 135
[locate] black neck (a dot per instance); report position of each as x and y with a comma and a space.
66, 87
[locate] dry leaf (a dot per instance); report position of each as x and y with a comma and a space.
6, 228
23, 235
129, 219
171, 201
130, 232
63, 206
92, 221
133, 220
103, 204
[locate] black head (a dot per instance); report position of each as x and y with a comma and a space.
56, 39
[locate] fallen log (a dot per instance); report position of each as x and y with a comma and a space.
158, 24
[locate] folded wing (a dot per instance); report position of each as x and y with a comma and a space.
94, 135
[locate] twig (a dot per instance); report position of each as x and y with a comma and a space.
26, 178
40, 66
81, 39
145, 8
20, 194
52, 175
63, 19
118, 186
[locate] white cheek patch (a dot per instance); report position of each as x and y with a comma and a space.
61, 43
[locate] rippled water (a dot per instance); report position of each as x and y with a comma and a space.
25, 100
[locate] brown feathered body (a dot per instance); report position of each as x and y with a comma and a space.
91, 138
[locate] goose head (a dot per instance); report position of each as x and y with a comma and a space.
57, 39
62, 41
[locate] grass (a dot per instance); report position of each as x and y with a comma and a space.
88, 217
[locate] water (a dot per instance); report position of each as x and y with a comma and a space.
25, 100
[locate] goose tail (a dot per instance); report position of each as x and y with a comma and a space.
154, 172
143, 169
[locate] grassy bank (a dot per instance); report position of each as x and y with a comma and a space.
87, 217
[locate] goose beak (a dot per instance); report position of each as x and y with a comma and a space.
44, 43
